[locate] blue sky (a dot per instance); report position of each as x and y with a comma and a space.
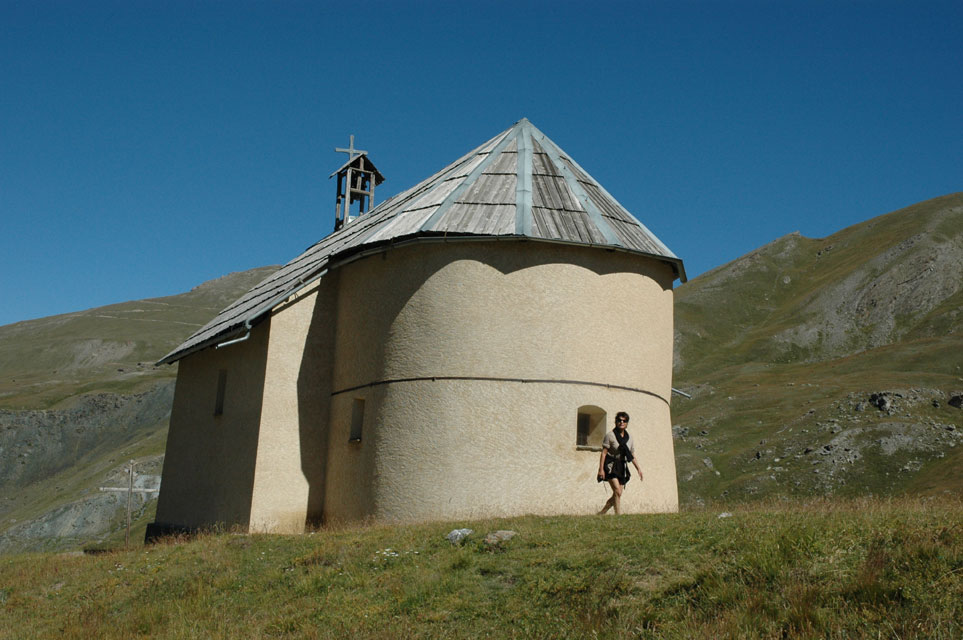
146, 147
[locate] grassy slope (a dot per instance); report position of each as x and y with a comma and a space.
862, 569
47, 361
731, 314
766, 390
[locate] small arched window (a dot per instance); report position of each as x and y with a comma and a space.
590, 426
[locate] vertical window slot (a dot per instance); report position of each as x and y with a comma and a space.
357, 420
221, 388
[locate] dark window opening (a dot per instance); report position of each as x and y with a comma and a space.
357, 420
590, 426
221, 388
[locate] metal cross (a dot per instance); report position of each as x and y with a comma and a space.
130, 491
351, 151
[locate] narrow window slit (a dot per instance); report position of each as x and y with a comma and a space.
357, 420
221, 388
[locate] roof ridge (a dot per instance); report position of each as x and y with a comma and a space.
469, 179
609, 196
555, 156
523, 179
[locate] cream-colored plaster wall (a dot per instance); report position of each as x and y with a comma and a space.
472, 448
350, 479
209, 464
280, 499
505, 449
506, 310
288, 484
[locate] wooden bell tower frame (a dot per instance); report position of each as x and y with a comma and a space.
357, 180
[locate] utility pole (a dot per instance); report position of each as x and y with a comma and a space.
130, 493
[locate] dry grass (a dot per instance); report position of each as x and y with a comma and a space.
864, 568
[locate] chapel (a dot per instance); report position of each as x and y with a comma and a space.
457, 351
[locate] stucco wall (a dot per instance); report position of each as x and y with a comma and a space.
289, 477
209, 465
573, 319
506, 309
518, 336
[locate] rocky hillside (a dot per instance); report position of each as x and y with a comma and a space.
827, 365
80, 397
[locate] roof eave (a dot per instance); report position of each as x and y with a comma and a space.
356, 253
246, 322
213, 341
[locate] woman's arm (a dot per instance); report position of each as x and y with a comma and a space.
602, 462
635, 461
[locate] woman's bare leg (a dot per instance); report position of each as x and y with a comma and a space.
616, 498
608, 505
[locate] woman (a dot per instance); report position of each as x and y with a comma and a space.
618, 451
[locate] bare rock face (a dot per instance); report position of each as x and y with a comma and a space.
868, 307
37, 444
90, 519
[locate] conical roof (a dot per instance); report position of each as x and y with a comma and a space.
519, 184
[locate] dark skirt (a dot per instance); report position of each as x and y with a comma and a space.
615, 467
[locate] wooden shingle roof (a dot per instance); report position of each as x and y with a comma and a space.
517, 185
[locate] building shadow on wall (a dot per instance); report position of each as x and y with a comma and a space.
314, 396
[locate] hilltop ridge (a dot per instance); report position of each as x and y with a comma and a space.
898, 276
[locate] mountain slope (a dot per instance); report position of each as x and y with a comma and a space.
895, 277
79, 397
785, 348
46, 361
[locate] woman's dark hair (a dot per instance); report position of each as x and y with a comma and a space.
622, 414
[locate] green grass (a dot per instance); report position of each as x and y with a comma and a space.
783, 406
858, 569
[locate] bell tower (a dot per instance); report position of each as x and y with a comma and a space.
357, 180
